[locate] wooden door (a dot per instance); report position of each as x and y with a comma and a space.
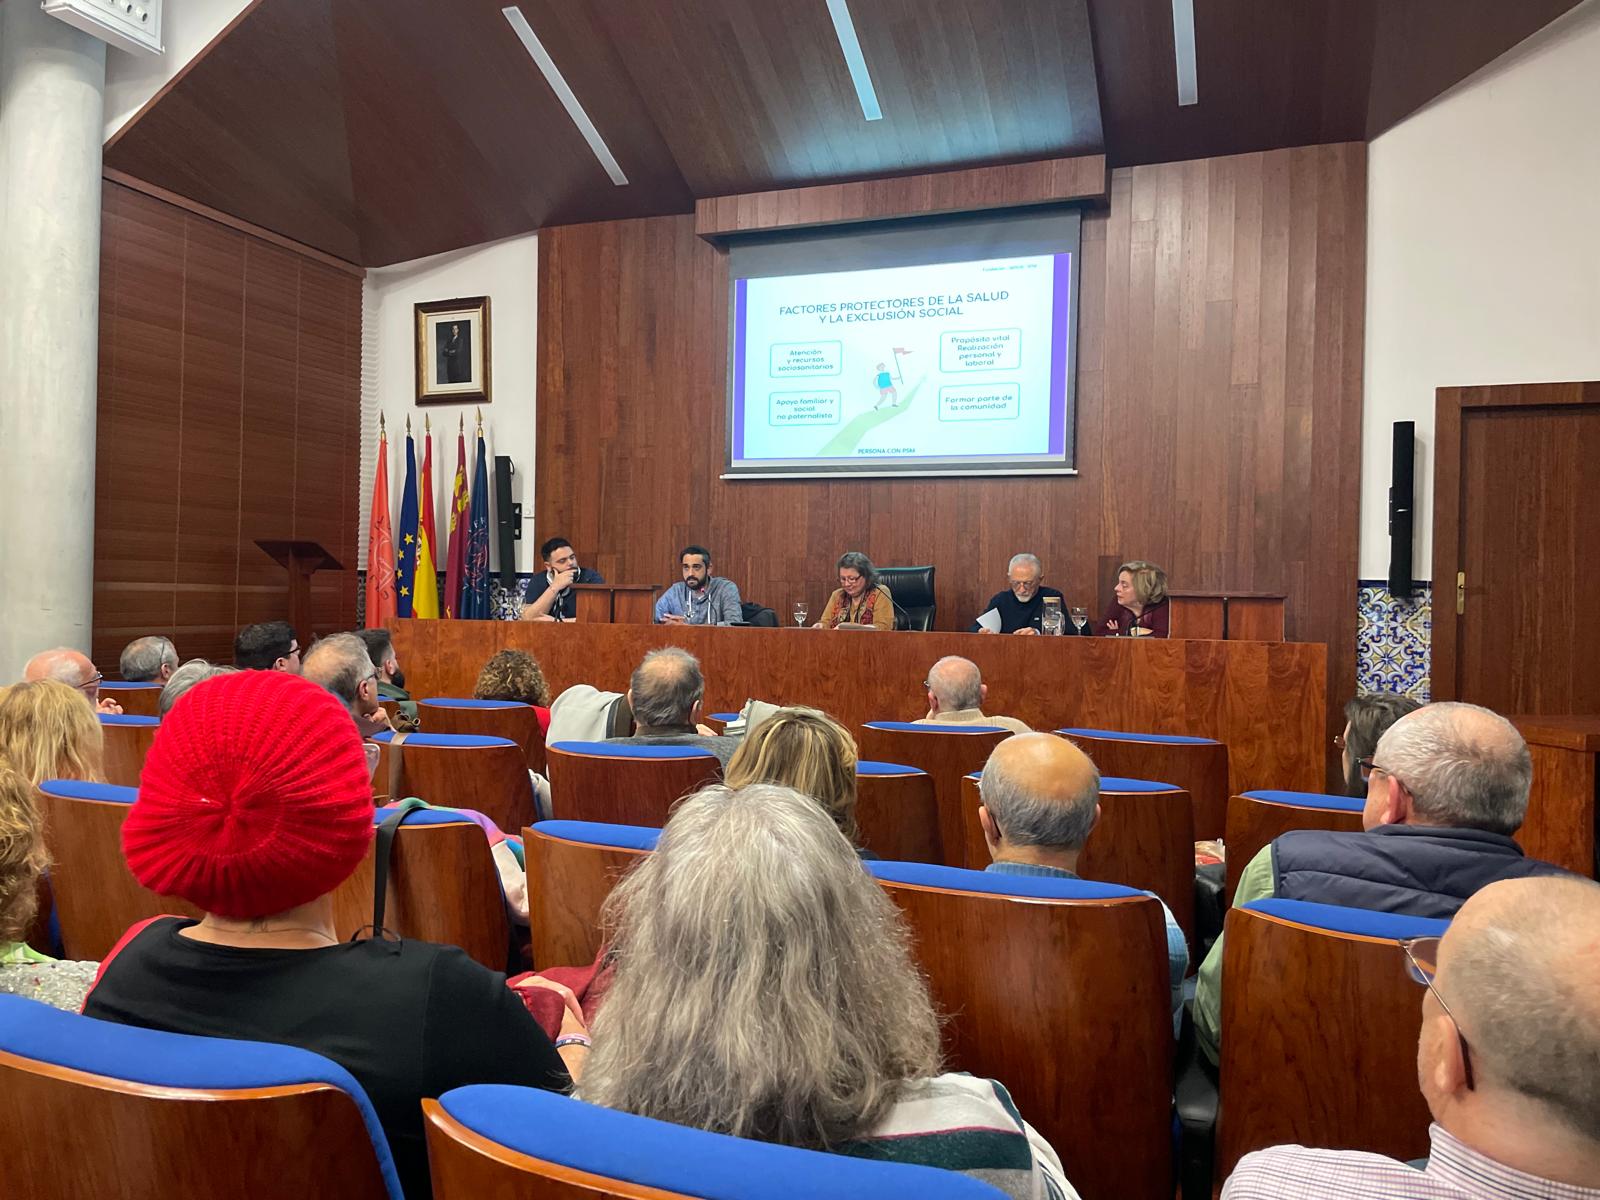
1517, 496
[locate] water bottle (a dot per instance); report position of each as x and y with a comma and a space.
1050, 617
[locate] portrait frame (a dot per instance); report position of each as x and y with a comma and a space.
453, 351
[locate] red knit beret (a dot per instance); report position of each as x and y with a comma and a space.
255, 797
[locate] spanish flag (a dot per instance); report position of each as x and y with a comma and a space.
425, 589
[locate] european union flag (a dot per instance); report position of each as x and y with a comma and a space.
405, 546
475, 567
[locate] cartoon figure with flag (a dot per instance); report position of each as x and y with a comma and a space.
887, 393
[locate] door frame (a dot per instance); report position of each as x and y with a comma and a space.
1450, 403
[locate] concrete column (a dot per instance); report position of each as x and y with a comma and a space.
52, 83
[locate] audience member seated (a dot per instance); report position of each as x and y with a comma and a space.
196, 670
254, 806
556, 601
1367, 718
515, 675
956, 693
341, 664
1446, 789
149, 660
270, 646
665, 694
699, 598
1140, 607
391, 679
859, 599
23, 970
807, 750
1041, 800
764, 988
68, 666
49, 731
1507, 1060
1022, 603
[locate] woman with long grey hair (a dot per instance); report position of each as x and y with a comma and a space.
764, 988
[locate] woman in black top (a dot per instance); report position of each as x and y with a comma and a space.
254, 805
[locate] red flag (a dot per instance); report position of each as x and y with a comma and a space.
456, 556
380, 545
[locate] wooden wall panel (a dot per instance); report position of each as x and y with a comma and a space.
229, 410
1219, 405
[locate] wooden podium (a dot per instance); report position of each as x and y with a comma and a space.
301, 560
1234, 616
617, 603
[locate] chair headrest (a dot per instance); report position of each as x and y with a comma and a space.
676, 1158
124, 685
467, 702
1117, 783
1116, 735
35, 1031
599, 833
625, 750
1308, 800
456, 741
78, 789
868, 767
915, 727
993, 883
1361, 922
128, 719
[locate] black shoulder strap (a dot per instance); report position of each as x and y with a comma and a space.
382, 853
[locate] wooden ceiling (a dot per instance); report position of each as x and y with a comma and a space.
385, 130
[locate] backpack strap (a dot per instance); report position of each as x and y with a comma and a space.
382, 852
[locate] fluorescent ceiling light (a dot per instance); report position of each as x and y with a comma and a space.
1183, 50
839, 10
552, 74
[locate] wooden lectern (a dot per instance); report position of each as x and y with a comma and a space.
617, 603
301, 560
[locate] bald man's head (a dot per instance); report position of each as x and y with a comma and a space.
62, 664
956, 684
1520, 969
1041, 790
1463, 766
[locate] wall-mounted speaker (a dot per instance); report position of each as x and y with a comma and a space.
507, 520
1402, 500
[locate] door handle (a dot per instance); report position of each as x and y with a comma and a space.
1461, 592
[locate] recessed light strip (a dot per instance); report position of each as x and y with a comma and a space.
1183, 51
552, 74
845, 28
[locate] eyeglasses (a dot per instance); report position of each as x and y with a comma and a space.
92, 684
1368, 767
294, 650
1422, 964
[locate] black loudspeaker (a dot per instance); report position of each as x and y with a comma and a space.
1402, 499
507, 520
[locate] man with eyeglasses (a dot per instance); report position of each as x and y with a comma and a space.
1021, 605
1447, 788
341, 664
74, 669
1507, 1060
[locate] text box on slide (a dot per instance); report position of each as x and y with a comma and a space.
980, 350
980, 402
796, 360
803, 408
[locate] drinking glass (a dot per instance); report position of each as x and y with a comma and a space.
801, 612
1080, 617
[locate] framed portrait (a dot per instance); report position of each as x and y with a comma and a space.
453, 351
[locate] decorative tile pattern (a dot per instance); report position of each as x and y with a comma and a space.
1394, 640
504, 603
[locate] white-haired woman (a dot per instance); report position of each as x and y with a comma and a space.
764, 988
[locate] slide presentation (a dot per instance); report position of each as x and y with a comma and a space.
943, 364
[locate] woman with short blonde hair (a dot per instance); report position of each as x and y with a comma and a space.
1140, 604
51, 731
805, 749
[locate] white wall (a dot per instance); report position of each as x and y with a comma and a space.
187, 27
506, 272
1483, 252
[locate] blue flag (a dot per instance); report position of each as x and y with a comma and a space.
405, 537
475, 568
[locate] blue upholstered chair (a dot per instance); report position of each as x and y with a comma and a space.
137, 699
1319, 1031
1256, 818
1061, 990
897, 812
491, 718
572, 867
486, 774
511, 1141
180, 1117
946, 753
624, 784
1198, 765
127, 740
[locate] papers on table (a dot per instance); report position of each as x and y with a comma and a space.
990, 620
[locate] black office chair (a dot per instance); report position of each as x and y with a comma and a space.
758, 614
912, 589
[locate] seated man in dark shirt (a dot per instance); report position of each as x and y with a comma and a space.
555, 600
1021, 605
257, 828
665, 694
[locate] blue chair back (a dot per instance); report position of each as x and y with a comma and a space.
897, 812
127, 740
452, 770
1257, 818
572, 867
1198, 765
621, 784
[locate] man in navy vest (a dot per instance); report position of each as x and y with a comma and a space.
1446, 789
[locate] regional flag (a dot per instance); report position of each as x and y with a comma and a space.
425, 590
405, 553
380, 550
458, 529
475, 560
